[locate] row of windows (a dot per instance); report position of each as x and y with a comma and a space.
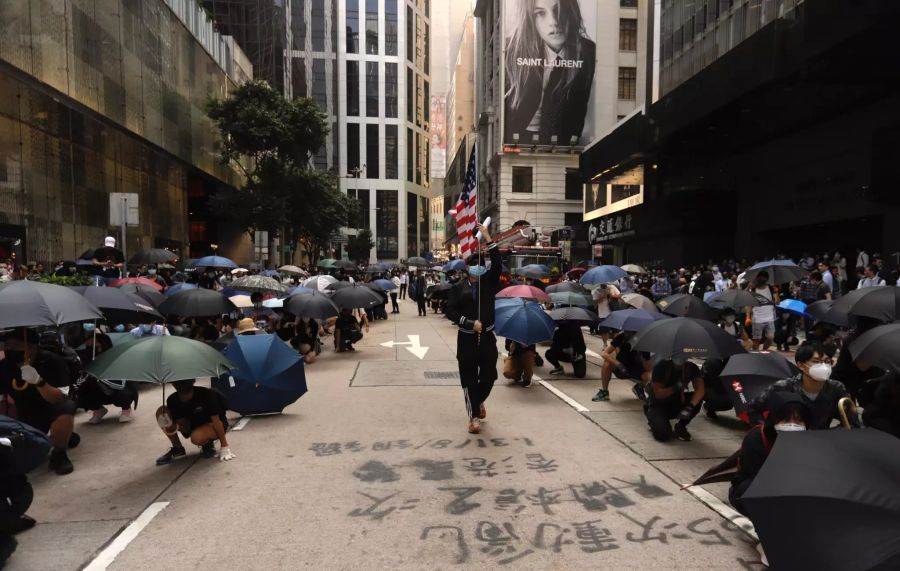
371, 27
523, 181
374, 144
372, 91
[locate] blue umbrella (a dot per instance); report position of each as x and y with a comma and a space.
386, 285
267, 377
228, 292
632, 319
384, 266
794, 306
603, 275
172, 290
213, 262
298, 290
268, 273
522, 321
455, 265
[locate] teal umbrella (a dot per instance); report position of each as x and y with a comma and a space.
159, 359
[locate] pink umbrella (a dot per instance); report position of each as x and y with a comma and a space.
141, 281
525, 292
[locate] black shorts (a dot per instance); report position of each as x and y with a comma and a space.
42, 417
186, 428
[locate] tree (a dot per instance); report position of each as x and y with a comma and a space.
360, 246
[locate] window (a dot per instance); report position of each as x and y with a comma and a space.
521, 179
390, 90
386, 219
410, 45
317, 25
628, 3
298, 76
628, 83
361, 218
390, 152
352, 26
352, 88
628, 35
352, 148
373, 142
372, 27
426, 43
319, 83
298, 24
412, 220
418, 147
410, 96
409, 155
574, 187
371, 89
390, 27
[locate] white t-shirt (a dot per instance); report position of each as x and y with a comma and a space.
404, 278
396, 281
764, 313
601, 299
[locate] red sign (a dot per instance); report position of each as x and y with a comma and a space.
511, 149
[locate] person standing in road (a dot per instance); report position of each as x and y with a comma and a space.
421, 284
471, 308
404, 281
397, 287
763, 316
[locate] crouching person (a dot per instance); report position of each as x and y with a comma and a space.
669, 400
197, 413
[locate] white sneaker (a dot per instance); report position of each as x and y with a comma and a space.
126, 416
98, 418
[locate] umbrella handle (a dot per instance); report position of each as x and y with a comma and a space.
842, 411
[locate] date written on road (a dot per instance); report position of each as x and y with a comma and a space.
334, 448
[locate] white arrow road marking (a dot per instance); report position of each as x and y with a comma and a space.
414, 346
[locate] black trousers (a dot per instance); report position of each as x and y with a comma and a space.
420, 303
394, 307
555, 356
660, 412
403, 291
92, 397
477, 368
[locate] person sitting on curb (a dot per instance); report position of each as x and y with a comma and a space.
199, 414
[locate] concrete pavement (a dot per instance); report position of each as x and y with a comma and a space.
374, 468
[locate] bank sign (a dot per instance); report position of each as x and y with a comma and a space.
612, 227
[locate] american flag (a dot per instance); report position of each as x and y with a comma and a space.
467, 210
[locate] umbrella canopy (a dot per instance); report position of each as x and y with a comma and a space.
842, 484
634, 269
780, 271
417, 261
320, 283
375, 269
326, 263
639, 301
737, 298
522, 321
525, 292
159, 359
687, 337
356, 296
576, 273
299, 290
238, 271
146, 292
274, 303
746, 376
197, 303
685, 305
881, 303
818, 309
603, 275
632, 319
213, 262
794, 306
173, 289
259, 283
26, 303
293, 270
455, 266
119, 306
224, 341
574, 315
139, 281
153, 256
344, 265
571, 298
241, 301
878, 347
386, 285
533, 272
438, 291
313, 305
267, 376
337, 285
563, 287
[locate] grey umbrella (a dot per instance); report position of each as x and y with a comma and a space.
30, 304
153, 256
418, 262
261, 284
780, 271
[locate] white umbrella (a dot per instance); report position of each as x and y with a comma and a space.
320, 283
275, 303
241, 301
237, 271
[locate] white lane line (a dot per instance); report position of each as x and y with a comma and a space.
240, 424
561, 395
106, 557
724, 510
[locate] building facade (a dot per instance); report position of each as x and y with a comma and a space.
546, 88
108, 99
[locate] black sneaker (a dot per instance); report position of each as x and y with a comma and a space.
208, 450
74, 440
681, 432
60, 463
710, 413
174, 453
526, 383
639, 392
18, 525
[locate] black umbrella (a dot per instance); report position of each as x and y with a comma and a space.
818, 309
313, 305
438, 291
223, 341
418, 262
153, 256
737, 298
688, 337
576, 315
780, 271
562, 287
878, 347
338, 285
26, 303
119, 306
746, 376
197, 303
685, 305
356, 296
881, 303
144, 291
843, 486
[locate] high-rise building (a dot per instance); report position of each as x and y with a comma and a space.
548, 82
102, 99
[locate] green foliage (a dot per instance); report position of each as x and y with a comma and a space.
76, 280
360, 246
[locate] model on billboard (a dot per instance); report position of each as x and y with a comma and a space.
549, 72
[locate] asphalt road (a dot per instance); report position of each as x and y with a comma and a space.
374, 469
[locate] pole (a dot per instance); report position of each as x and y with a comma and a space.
124, 230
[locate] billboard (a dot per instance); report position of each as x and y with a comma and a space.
604, 196
438, 135
548, 71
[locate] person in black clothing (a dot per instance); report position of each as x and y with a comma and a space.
91, 394
108, 261
346, 331
621, 360
667, 398
716, 398
306, 340
567, 347
471, 308
199, 414
846, 369
420, 294
881, 399
787, 413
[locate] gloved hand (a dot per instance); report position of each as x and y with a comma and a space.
686, 414
164, 420
30, 375
225, 454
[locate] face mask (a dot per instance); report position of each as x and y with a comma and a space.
729, 320
151, 272
88, 327
820, 372
477, 270
789, 427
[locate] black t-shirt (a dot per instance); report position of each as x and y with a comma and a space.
626, 355
51, 367
110, 255
346, 323
202, 406
680, 380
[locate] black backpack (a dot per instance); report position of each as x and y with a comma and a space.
30, 447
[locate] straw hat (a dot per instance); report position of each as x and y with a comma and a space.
246, 325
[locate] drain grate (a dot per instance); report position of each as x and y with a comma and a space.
441, 374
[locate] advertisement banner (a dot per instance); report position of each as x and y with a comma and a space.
609, 195
438, 135
549, 71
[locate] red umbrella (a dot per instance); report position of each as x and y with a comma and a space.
525, 292
576, 273
142, 281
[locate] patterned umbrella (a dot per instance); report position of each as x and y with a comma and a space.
261, 284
